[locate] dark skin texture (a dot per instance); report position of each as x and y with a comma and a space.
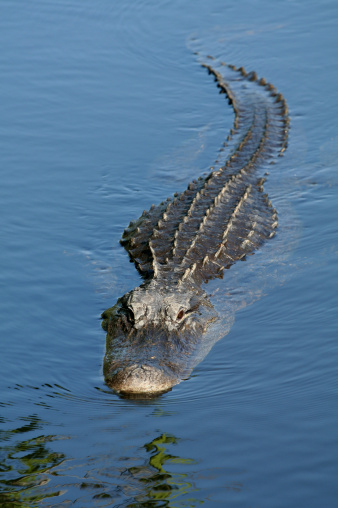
157, 333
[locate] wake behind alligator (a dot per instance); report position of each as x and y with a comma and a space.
158, 332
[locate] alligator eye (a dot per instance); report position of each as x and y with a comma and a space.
130, 315
180, 315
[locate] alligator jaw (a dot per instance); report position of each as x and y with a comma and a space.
141, 381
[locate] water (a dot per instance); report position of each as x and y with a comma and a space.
104, 111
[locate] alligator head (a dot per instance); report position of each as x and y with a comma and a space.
154, 337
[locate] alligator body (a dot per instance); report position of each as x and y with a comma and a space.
157, 333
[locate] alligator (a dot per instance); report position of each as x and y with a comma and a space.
158, 332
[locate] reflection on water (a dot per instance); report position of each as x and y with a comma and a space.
156, 482
159, 479
36, 472
26, 464
124, 473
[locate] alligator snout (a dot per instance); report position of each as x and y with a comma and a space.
141, 380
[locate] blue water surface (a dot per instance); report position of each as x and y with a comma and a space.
104, 111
